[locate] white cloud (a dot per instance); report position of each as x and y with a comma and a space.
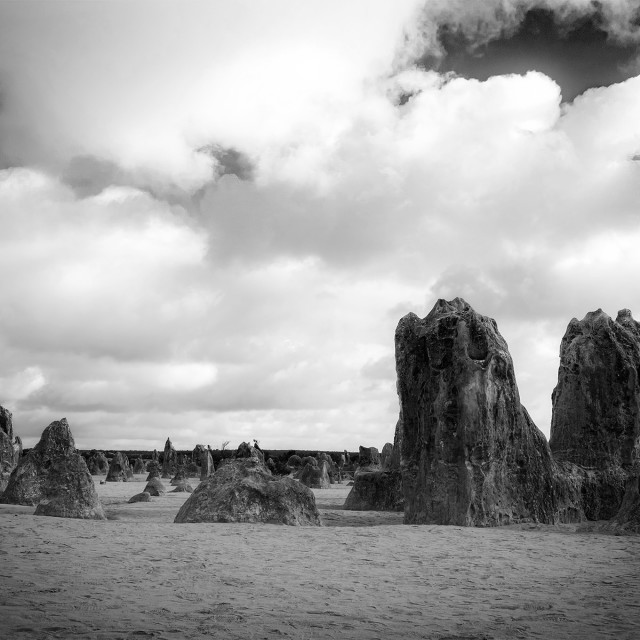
266, 308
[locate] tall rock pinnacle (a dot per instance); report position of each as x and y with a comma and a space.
470, 453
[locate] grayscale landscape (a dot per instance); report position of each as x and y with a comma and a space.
319, 319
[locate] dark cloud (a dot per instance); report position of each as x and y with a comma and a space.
580, 47
229, 161
89, 175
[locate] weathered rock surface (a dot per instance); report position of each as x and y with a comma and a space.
596, 406
369, 459
470, 453
376, 491
181, 476
203, 458
397, 445
7, 453
17, 449
627, 520
139, 465
145, 496
314, 476
154, 469
333, 470
245, 450
386, 456
119, 468
242, 490
169, 460
155, 487
54, 476
97, 463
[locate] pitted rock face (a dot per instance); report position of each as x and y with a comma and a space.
595, 422
470, 453
6, 423
7, 452
627, 520
596, 403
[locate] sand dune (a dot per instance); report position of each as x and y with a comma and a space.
363, 575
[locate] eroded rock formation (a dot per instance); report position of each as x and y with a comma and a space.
314, 476
97, 463
8, 459
55, 477
145, 496
470, 453
155, 487
386, 455
376, 491
368, 459
169, 460
627, 519
203, 458
139, 465
243, 490
596, 406
154, 469
119, 468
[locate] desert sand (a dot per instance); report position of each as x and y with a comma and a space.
363, 575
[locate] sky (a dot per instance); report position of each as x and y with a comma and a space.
214, 214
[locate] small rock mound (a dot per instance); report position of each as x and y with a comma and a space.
243, 490
155, 487
54, 476
183, 487
145, 496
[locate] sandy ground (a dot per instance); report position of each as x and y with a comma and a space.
363, 575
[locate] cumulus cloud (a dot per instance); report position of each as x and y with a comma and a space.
213, 237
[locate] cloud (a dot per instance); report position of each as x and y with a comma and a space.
253, 291
480, 22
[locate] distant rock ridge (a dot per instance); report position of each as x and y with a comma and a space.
470, 453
